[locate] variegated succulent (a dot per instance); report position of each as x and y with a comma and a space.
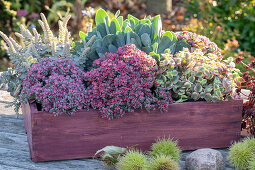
198, 76
110, 34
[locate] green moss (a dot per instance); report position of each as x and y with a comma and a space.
240, 155
163, 162
133, 160
166, 147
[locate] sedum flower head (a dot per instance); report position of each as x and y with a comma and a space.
124, 81
57, 84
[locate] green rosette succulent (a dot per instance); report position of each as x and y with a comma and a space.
110, 34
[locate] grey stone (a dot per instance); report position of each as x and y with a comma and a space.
205, 159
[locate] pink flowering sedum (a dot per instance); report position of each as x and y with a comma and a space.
57, 84
124, 81
201, 42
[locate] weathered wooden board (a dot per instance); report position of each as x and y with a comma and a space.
194, 124
20, 160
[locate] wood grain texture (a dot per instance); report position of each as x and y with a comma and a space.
194, 124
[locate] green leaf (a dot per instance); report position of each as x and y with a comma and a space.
208, 97
146, 49
195, 96
144, 29
128, 29
208, 89
107, 155
101, 29
112, 150
145, 38
133, 41
97, 44
118, 28
179, 45
120, 39
203, 82
112, 48
120, 21
155, 56
101, 51
199, 74
215, 99
187, 85
191, 79
229, 98
165, 42
225, 83
175, 73
155, 47
169, 74
82, 35
198, 87
163, 78
132, 23
175, 79
169, 34
108, 39
107, 24
117, 14
180, 100
138, 39
145, 21
218, 93
100, 16
132, 17
112, 28
157, 27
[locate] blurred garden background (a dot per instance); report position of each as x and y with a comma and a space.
228, 23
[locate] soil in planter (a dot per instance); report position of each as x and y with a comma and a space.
39, 106
191, 100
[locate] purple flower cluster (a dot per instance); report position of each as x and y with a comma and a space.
124, 81
199, 41
57, 84
120, 82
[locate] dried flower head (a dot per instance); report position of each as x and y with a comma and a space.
239, 59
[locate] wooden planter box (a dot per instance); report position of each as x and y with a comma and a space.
194, 124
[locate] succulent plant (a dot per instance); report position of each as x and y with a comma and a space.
198, 41
162, 162
45, 80
198, 76
134, 160
32, 48
124, 81
167, 147
111, 155
115, 33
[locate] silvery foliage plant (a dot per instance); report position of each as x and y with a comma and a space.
31, 48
